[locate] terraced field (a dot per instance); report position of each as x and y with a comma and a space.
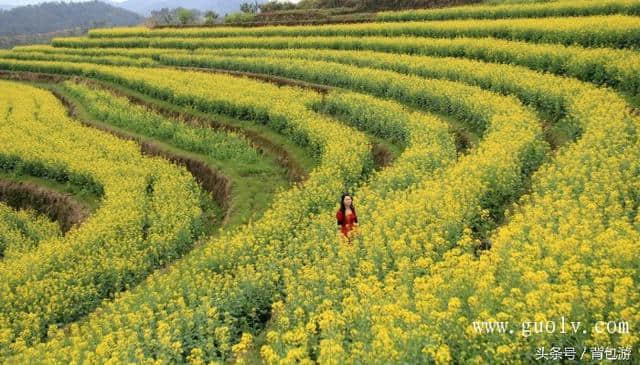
169, 195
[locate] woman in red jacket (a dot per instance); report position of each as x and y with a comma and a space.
346, 215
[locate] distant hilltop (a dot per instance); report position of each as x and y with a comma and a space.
56, 16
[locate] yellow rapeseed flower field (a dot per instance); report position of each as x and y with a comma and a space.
505, 230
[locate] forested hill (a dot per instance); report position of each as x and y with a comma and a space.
56, 16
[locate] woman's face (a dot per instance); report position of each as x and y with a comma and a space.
347, 201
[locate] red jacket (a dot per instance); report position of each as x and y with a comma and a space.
347, 224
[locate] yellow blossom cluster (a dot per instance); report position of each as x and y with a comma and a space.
149, 215
22, 230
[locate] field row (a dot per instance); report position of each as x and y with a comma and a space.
294, 125
207, 152
145, 219
524, 10
398, 302
476, 113
616, 68
385, 300
565, 182
617, 31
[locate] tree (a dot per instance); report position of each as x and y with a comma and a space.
249, 7
163, 16
210, 17
186, 16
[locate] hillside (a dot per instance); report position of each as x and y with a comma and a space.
57, 16
444, 186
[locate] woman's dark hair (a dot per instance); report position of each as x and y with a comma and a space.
342, 207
